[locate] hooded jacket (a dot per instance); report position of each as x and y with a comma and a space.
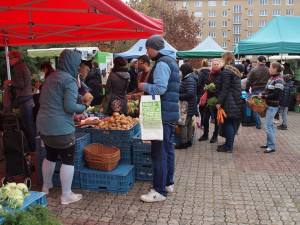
164, 81
133, 84
59, 96
230, 91
202, 78
187, 92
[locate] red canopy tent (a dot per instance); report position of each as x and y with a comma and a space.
32, 22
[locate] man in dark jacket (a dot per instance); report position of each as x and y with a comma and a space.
164, 81
257, 80
93, 81
22, 85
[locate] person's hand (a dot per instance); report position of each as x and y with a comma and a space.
260, 95
141, 86
87, 99
7, 82
218, 106
128, 97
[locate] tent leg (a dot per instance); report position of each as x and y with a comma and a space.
7, 61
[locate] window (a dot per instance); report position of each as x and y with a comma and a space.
250, 2
198, 3
237, 9
250, 23
262, 23
224, 45
236, 40
224, 13
263, 12
224, 34
185, 4
199, 35
200, 24
224, 24
237, 30
212, 24
276, 2
263, 2
212, 34
290, 2
237, 19
276, 12
249, 33
289, 12
225, 3
212, 3
198, 14
212, 13
250, 12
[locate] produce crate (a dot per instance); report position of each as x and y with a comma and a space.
177, 139
141, 157
125, 157
297, 109
113, 136
143, 172
76, 183
34, 199
140, 146
79, 130
119, 180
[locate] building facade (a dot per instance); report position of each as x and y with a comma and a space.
230, 21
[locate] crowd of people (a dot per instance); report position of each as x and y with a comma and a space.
64, 92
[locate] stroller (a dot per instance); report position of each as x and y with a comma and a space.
17, 159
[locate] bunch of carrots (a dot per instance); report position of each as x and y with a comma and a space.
221, 115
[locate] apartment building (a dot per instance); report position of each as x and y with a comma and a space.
230, 21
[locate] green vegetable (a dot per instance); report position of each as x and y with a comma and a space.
211, 103
23, 187
35, 215
210, 86
258, 102
4, 192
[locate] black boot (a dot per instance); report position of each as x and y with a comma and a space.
190, 144
182, 145
203, 138
213, 139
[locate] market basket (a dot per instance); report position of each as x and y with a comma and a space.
101, 157
259, 108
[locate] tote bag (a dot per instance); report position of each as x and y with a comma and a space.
150, 118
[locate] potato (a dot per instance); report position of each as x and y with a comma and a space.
87, 97
116, 114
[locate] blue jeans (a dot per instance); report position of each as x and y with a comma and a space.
163, 158
230, 130
269, 126
283, 112
27, 120
207, 115
256, 115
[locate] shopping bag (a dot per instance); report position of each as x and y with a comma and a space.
150, 118
203, 99
105, 102
183, 108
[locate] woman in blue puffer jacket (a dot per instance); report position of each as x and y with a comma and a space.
56, 125
188, 92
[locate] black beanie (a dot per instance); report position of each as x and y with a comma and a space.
155, 42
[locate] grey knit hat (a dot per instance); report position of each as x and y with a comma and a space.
155, 42
132, 62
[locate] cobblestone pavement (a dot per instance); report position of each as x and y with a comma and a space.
243, 187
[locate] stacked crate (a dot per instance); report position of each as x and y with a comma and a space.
141, 152
121, 139
82, 140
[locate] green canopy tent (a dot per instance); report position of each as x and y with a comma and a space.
206, 49
280, 35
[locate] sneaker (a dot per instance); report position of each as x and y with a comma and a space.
182, 146
258, 127
222, 149
282, 127
276, 121
153, 196
268, 150
46, 190
170, 188
72, 198
203, 138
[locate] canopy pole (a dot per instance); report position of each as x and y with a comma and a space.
7, 59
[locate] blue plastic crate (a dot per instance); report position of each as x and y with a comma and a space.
119, 180
141, 157
34, 199
143, 172
100, 135
138, 145
125, 157
82, 140
79, 130
177, 139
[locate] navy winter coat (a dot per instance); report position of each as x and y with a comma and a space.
187, 92
285, 99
